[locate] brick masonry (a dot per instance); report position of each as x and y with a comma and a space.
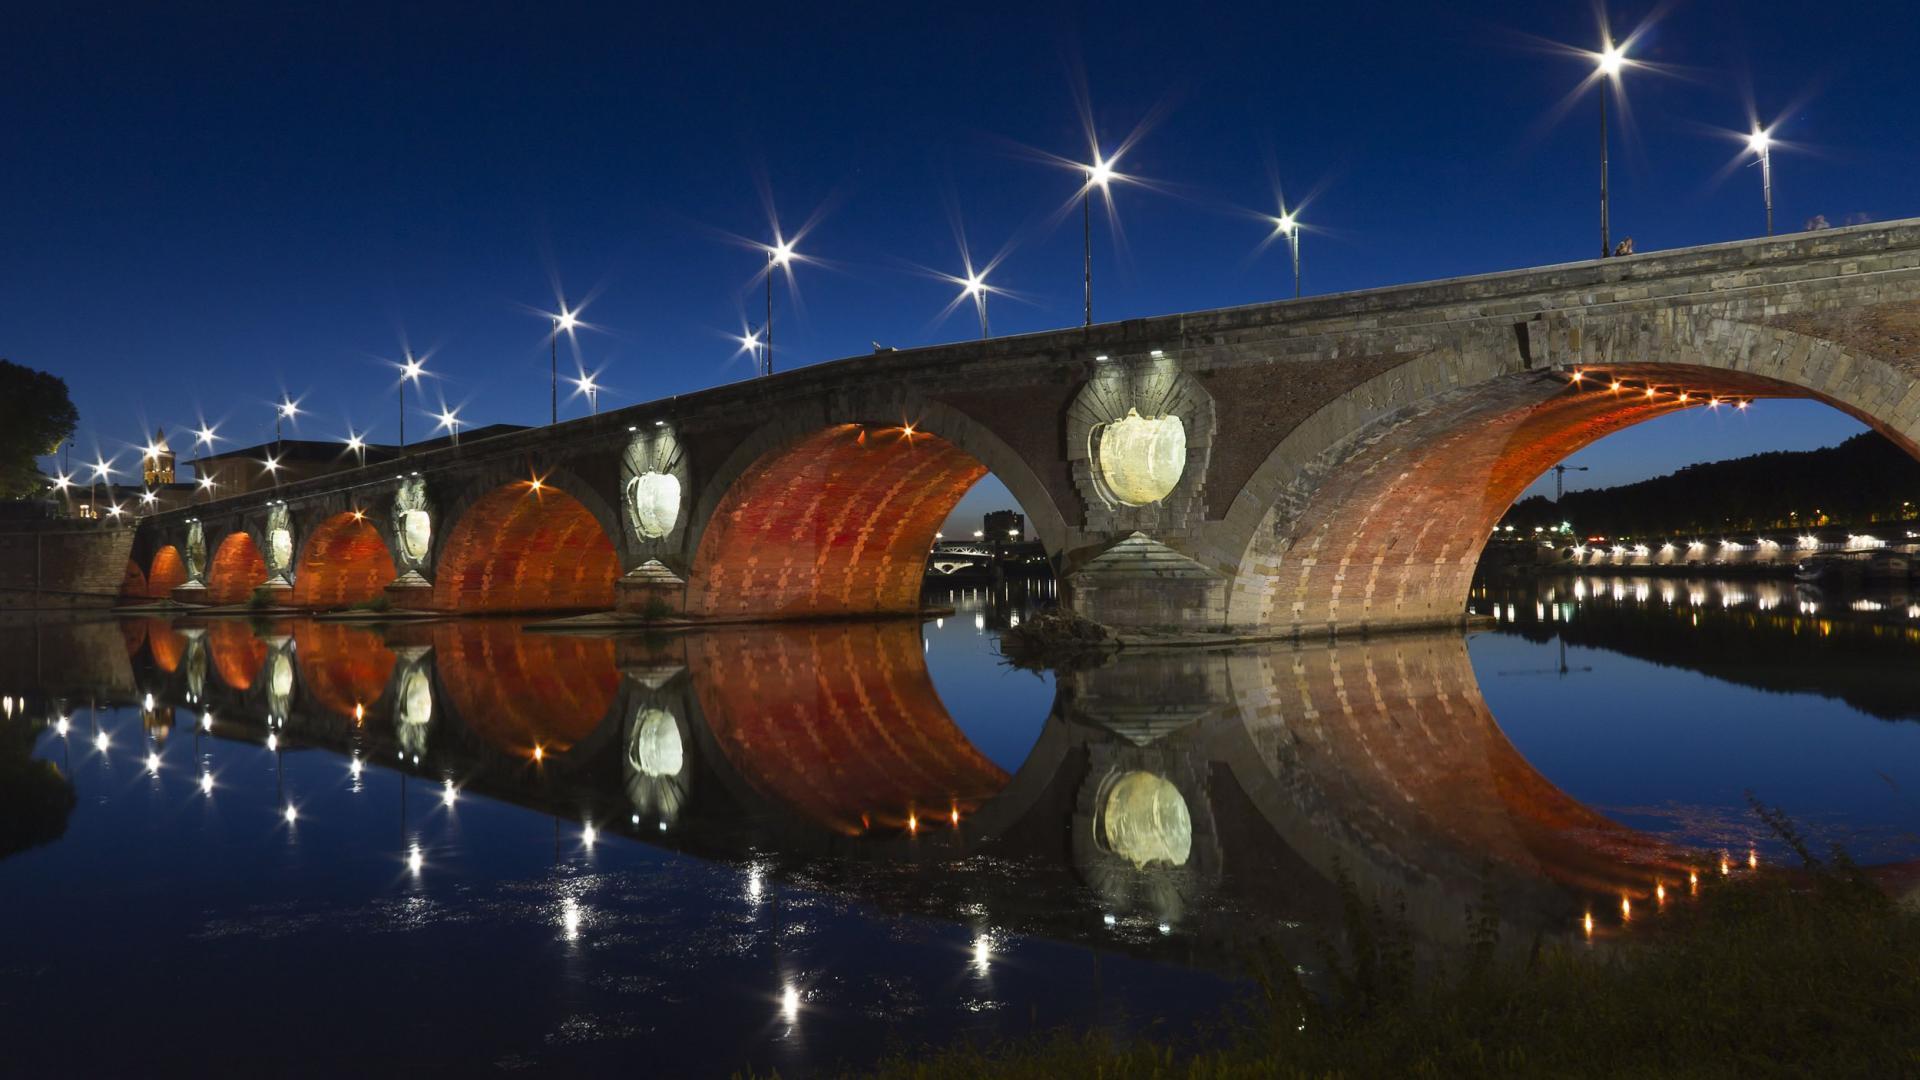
1356, 448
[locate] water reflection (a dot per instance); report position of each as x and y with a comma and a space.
1171, 805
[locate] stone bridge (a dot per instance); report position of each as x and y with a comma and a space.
1320, 465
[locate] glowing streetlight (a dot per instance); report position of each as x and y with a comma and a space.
102, 470
286, 410
410, 372
1288, 225
450, 420
1761, 143
750, 341
779, 254
206, 485
1609, 63
974, 286
1100, 175
590, 388
568, 321
357, 446
204, 436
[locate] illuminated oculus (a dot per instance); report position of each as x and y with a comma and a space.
1141, 458
653, 503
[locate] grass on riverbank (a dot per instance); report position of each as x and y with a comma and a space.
1813, 973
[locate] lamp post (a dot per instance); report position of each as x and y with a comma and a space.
1612, 59
975, 286
566, 320
1289, 227
101, 470
1100, 175
63, 484
1761, 143
206, 485
358, 447
450, 419
286, 410
592, 390
409, 372
780, 255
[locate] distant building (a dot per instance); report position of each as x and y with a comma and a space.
1006, 527
156, 465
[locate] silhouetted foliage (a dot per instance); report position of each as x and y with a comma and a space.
34, 798
36, 416
1864, 479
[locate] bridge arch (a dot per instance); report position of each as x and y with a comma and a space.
1374, 513
820, 515
343, 562
530, 545
134, 582
167, 572
238, 568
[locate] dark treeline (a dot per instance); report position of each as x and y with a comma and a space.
1863, 480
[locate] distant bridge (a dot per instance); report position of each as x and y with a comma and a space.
1319, 465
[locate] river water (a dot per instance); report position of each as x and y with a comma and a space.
455, 846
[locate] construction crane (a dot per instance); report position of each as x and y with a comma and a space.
1560, 478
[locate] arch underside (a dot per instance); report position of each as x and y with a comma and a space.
839, 725
343, 562
134, 582
167, 572
1392, 534
837, 523
236, 571
520, 548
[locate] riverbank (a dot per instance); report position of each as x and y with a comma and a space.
1791, 973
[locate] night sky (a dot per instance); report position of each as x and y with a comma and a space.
200, 210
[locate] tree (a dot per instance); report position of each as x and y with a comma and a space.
36, 416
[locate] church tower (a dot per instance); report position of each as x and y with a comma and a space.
157, 466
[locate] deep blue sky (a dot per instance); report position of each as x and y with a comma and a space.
199, 209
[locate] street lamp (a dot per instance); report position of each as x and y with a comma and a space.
102, 470
1288, 226
568, 321
286, 410
1611, 60
974, 285
206, 485
357, 446
450, 419
780, 254
409, 372
61, 483
1761, 143
750, 341
1100, 174
590, 388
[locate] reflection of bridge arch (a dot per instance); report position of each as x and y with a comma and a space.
1387, 496
344, 668
816, 516
344, 561
521, 547
237, 653
518, 691
238, 568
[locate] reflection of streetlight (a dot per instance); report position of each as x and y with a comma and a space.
1761, 143
1609, 62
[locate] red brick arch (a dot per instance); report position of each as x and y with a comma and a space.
167, 572
838, 522
1393, 535
344, 562
518, 548
237, 570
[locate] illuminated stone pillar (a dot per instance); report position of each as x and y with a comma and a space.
278, 550
653, 489
412, 546
194, 590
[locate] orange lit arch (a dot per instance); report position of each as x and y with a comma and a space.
167, 572
343, 562
522, 548
237, 570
